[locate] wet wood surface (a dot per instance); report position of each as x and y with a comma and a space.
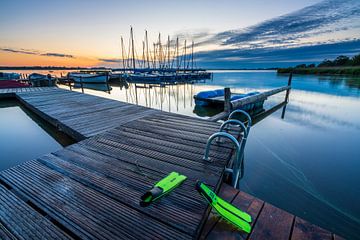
269, 222
92, 189
78, 115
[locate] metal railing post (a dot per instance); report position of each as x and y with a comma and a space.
235, 172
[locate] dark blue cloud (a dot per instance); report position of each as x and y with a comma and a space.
19, 51
324, 30
57, 55
326, 17
275, 57
109, 60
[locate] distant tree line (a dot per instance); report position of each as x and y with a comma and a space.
340, 61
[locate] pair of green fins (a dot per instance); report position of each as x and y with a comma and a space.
228, 211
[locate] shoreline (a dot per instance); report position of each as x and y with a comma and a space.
336, 71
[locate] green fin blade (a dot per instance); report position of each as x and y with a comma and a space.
226, 210
234, 210
163, 187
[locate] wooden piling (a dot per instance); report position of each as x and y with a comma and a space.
82, 85
107, 82
227, 98
289, 85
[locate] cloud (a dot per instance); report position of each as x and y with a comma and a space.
58, 55
319, 20
35, 52
109, 60
309, 35
23, 51
276, 57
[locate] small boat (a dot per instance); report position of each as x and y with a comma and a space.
12, 84
9, 76
41, 80
79, 77
216, 98
205, 98
38, 76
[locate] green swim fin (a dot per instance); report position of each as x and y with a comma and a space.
226, 210
162, 188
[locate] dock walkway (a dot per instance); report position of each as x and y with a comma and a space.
78, 115
91, 189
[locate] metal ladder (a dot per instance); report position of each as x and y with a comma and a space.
235, 169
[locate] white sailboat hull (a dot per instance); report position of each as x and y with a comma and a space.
89, 78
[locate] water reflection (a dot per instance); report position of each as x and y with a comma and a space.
351, 81
22, 129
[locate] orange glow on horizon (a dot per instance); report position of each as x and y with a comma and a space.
17, 59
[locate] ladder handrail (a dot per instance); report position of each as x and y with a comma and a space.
249, 124
232, 121
239, 148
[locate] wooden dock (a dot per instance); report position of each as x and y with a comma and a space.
91, 189
269, 222
78, 115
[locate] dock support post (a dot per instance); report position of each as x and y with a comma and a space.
288, 91
68, 81
107, 82
82, 86
227, 97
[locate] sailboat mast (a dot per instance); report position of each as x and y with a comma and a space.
147, 49
168, 51
123, 53
154, 56
133, 48
185, 57
143, 55
192, 55
160, 52
177, 53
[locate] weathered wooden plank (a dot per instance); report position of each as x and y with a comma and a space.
153, 160
175, 118
182, 154
258, 97
5, 234
179, 211
23, 221
68, 201
337, 237
115, 169
272, 223
304, 230
245, 202
228, 194
166, 142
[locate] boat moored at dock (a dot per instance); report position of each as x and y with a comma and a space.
9, 76
216, 98
80, 77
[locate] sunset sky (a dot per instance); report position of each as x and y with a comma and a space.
227, 34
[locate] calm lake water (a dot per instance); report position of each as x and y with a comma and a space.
24, 136
308, 162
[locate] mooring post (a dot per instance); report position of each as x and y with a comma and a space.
107, 82
227, 97
68, 80
82, 86
288, 91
